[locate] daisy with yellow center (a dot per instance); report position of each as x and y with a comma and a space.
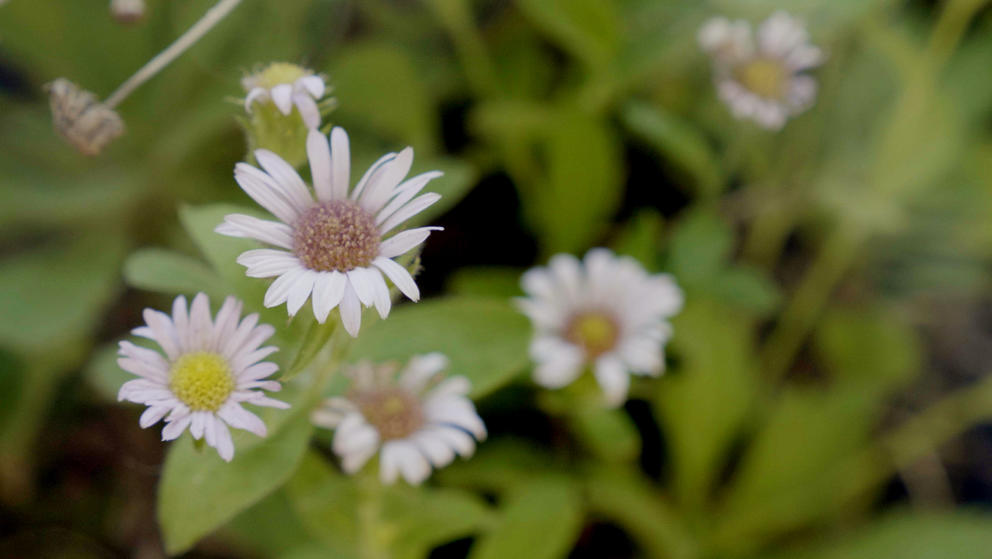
286, 85
210, 368
330, 245
416, 420
762, 79
606, 313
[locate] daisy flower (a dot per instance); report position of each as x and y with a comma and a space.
332, 247
286, 85
762, 79
209, 369
415, 419
605, 312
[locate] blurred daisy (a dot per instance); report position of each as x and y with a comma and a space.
332, 247
209, 369
415, 419
605, 312
763, 81
286, 85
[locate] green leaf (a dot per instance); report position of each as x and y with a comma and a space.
103, 374
57, 292
679, 143
747, 288
609, 434
582, 189
907, 535
326, 501
485, 339
704, 404
270, 527
589, 29
377, 86
540, 520
870, 347
700, 246
199, 492
787, 477
486, 282
641, 238
169, 272
424, 518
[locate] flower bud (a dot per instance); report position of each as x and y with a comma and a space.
80, 118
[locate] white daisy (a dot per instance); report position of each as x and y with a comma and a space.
763, 81
418, 421
209, 369
286, 85
605, 312
332, 247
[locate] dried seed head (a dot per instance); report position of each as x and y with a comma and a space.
127, 11
81, 119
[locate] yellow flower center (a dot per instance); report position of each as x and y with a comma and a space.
596, 332
203, 381
764, 77
393, 412
279, 73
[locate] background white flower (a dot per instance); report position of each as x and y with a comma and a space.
209, 369
607, 312
417, 420
286, 85
332, 247
762, 80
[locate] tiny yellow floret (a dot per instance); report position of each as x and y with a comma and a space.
596, 332
280, 73
764, 77
203, 381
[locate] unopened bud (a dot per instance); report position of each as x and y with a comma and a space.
127, 11
80, 118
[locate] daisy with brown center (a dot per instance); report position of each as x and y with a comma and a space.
764, 81
332, 247
286, 85
416, 420
606, 312
210, 368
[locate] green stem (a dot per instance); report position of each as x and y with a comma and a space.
809, 299
372, 536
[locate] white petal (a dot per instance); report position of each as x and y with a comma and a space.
351, 312
462, 442
246, 226
360, 280
399, 276
421, 369
201, 328
267, 262
381, 186
404, 193
256, 94
328, 290
380, 292
372, 171
418, 205
300, 291
152, 415
452, 386
240, 418
319, 154
282, 96
225, 322
340, 164
458, 412
314, 85
224, 446
401, 243
613, 379
279, 291
560, 370
174, 428
150, 371
199, 423
308, 110
293, 187
264, 191
164, 332
434, 448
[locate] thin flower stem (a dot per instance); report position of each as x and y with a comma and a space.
213, 16
370, 529
809, 299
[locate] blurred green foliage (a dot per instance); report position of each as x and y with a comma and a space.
811, 261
